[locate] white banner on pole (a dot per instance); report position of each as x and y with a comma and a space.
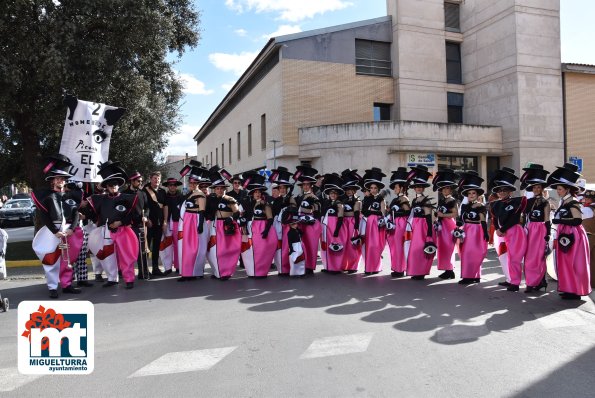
87, 135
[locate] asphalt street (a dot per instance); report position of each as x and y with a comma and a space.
321, 336
20, 234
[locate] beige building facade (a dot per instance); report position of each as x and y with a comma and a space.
472, 84
579, 107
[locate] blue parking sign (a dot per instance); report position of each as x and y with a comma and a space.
577, 161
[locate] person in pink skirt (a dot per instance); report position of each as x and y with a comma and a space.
472, 229
538, 226
334, 236
398, 234
374, 210
309, 212
507, 216
352, 209
446, 213
259, 250
423, 246
572, 245
225, 242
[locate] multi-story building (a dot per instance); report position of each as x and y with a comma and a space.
472, 84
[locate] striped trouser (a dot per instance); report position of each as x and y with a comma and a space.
80, 266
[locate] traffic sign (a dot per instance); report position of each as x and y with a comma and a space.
265, 172
577, 161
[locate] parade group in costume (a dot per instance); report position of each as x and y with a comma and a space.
328, 220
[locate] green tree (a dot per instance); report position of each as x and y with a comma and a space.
118, 52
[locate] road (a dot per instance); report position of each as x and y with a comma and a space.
20, 234
322, 336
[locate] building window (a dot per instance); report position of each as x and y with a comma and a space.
372, 58
381, 112
211, 163
222, 155
217, 156
452, 17
455, 107
249, 140
453, 63
263, 131
229, 149
458, 163
239, 150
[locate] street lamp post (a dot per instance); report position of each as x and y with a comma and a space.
275, 153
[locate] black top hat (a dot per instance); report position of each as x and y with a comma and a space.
374, 176
399, 176
254, 181
134, 175
57, 166
419, 176
305, 173
351, 180
504, 179
444, 178
219, 176
237, 177
112, 173
171, 180
534, 175
470, 181
566, 175
332, 182
290, 215
196, 172
281, 176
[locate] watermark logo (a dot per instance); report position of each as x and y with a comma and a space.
56, 337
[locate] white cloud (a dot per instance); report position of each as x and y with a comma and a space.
182, 142
283, 30
194, 86
227, 86
241, 32
236, 63
288, 10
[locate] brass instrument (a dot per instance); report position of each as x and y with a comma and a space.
64, 246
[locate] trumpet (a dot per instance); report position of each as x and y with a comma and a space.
64, 246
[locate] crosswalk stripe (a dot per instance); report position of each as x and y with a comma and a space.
338, 345
11, 379
560, 319
184, 361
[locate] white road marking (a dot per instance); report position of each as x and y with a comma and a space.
11, 379
560, 319
338, 345
185, 361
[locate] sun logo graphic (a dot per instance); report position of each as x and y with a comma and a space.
56, 337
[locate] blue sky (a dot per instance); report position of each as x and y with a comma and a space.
234, 31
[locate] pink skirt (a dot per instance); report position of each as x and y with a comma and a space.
418, 262
535, 263
446, 244
374, 243
334, 259
190, 244
310, 242
126, 248
398, 242
224, 250
516, 243
573, 266
352, 253
263, 249
473, 251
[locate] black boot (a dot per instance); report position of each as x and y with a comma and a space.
129, 285
54, 293
156, 272
448, 274
466, 281
110, 283
71, 290
529, 289
99, 278
418, 277
542, 284
167, 272
352, 271
309, 271
84, 284
396, 274
570, 296
513, 288
506, 284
